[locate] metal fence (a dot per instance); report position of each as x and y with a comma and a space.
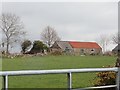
69, 72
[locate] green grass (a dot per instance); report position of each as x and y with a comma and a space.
54, 62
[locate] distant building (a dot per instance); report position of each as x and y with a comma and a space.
77, 48
116, 49
62, 46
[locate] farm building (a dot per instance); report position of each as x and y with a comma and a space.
77, 48
62, 46
116, 49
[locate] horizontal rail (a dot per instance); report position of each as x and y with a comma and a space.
69, 72
37, 72
97, 87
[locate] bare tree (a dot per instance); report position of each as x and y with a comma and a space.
116, 38
49, 36
11, 27
103, 40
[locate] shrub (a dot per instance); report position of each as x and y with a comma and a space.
56, 53
105, 78
26, 45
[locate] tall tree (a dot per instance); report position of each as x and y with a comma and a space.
103, 40
11, 27
49, 36
116, 38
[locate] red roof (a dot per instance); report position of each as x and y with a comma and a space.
84, 45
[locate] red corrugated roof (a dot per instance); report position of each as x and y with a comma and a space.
84, 44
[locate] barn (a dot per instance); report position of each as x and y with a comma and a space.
116, 50
77, 48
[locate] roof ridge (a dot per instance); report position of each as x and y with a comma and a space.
78, 41
83, 42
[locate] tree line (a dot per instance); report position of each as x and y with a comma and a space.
12, 29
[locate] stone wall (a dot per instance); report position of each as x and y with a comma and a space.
86, 51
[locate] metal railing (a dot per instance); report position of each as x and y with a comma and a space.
69, 72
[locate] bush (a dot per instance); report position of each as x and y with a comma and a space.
38, 47
55, 53
105, 78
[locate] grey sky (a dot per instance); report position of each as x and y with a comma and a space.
81, 21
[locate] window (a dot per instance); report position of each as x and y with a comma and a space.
82, 51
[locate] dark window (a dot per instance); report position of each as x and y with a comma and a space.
66, 49
92, 49
82, 51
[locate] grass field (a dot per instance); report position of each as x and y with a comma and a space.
54, 62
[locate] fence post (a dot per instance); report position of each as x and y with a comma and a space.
118, 79
69, 75
5, 82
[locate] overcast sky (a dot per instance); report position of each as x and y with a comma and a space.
78, 21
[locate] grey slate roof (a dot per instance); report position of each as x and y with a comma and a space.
64, 44
117, 48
